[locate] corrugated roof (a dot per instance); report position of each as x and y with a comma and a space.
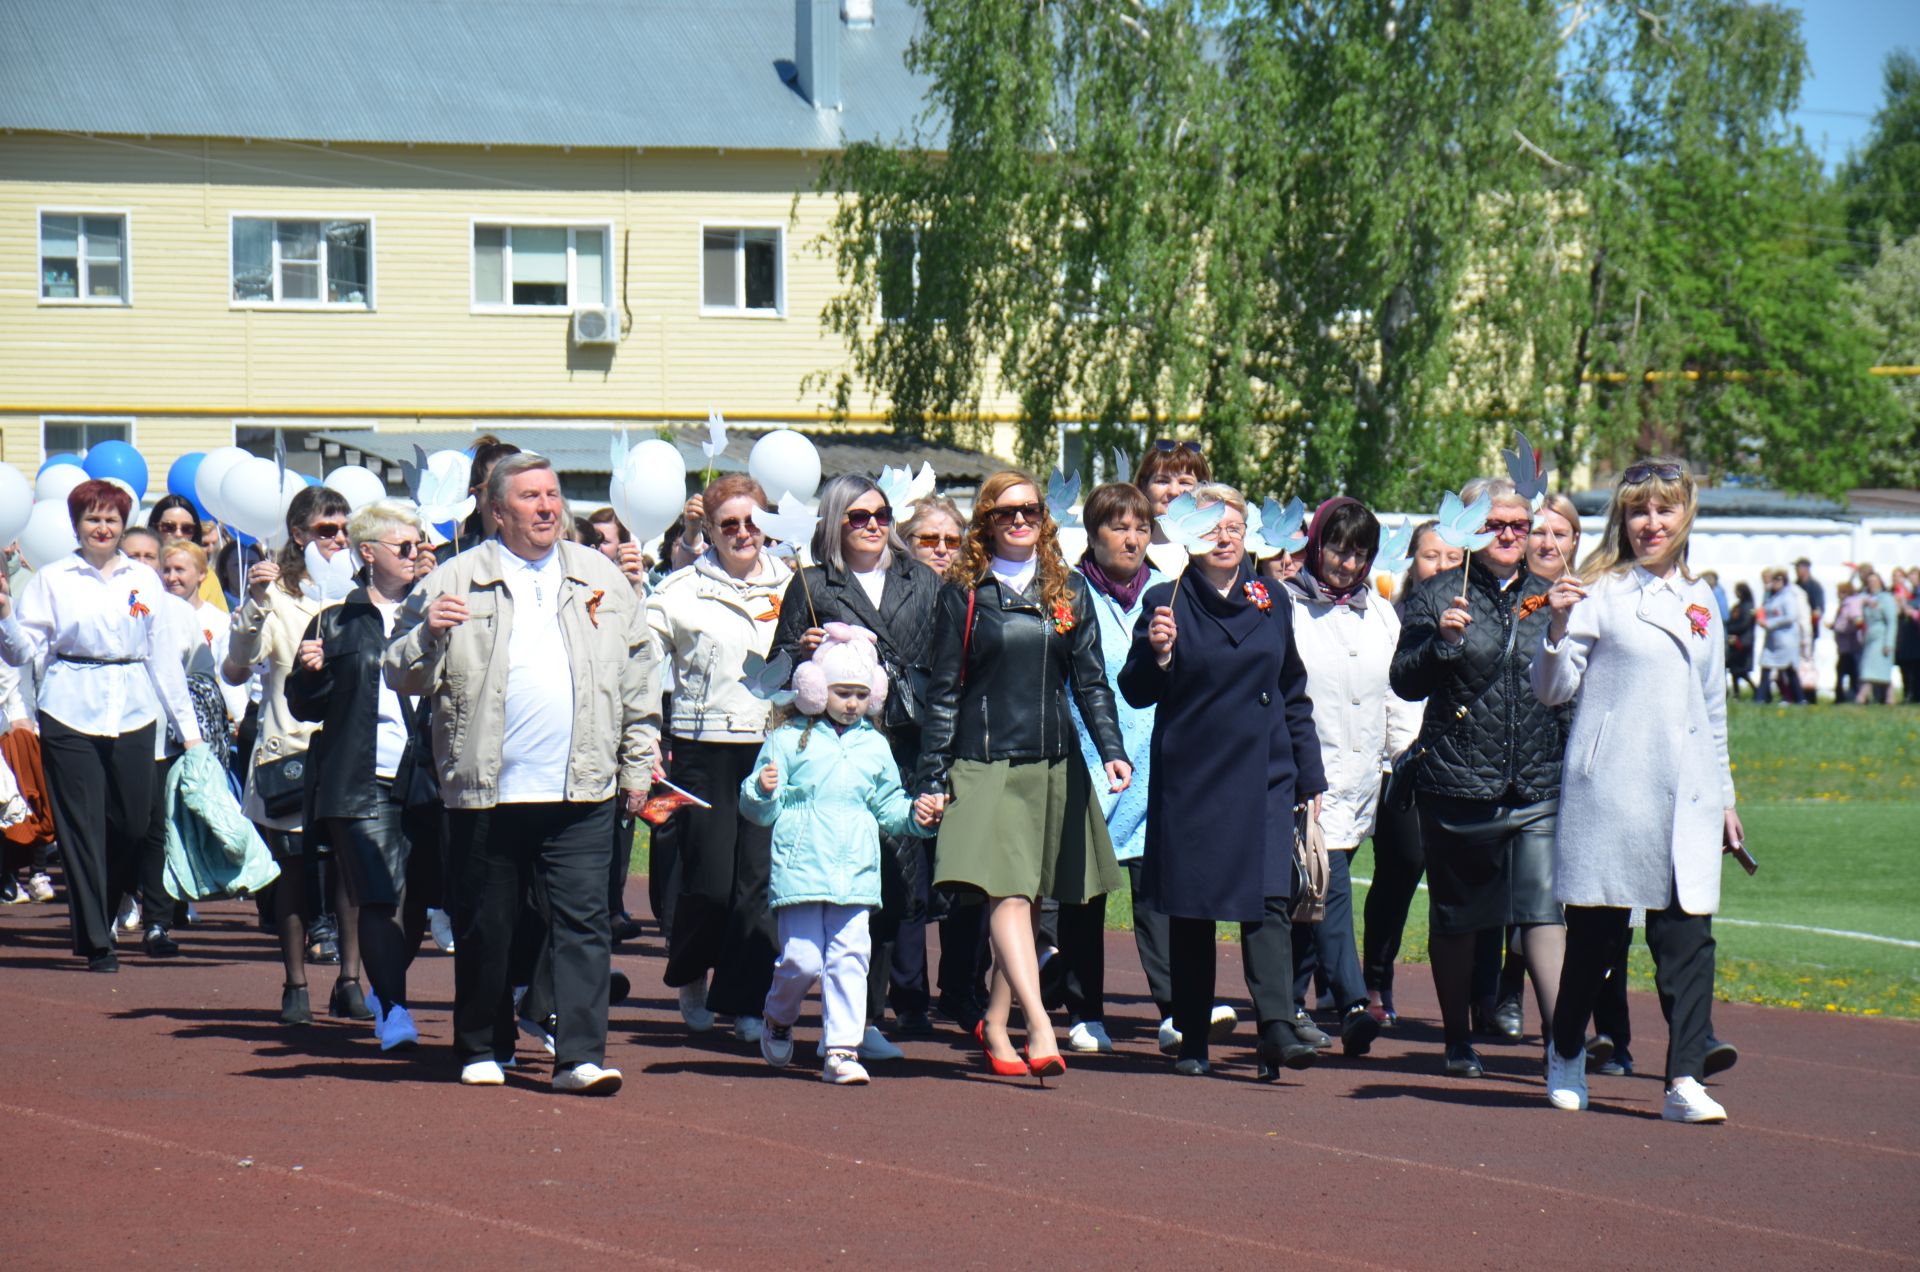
590, 73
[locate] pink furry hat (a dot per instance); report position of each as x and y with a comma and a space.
848, 656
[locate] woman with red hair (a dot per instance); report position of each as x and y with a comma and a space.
96, 620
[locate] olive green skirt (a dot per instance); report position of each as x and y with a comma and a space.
1026, 828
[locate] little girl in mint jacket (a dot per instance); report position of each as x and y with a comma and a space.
827, 783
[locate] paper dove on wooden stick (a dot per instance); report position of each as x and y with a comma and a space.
904, 490
1528, 472
1063, 492
328, 580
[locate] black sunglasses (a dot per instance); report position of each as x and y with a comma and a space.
859, 517
404, 550
1007, 514
738, 525
328, 530
1641, 472
1166, 446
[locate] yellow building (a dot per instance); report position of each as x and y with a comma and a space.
217, 221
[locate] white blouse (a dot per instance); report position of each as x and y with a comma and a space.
72, 611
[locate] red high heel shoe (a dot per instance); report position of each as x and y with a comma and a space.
1045, 1067
998, 1067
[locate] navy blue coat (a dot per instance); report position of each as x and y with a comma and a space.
1234, 749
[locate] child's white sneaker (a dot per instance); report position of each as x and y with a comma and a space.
776, 1045
843, 1068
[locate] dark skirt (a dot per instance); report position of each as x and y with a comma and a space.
372, 851
1488, 865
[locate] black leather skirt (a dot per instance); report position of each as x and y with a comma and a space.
372, 852
1488, 865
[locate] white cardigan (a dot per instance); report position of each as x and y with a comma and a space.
1646, 779
703, 625
1361, 722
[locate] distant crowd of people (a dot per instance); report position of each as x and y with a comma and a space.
1874, 623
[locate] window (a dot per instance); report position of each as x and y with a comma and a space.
740, 271
315, 263
310, 449
83, 257
75, 437
541, 267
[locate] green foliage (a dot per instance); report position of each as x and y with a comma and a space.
1881, 184
1887, 304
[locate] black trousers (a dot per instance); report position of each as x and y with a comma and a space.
621, 864
1398, 863
721, 922
909, 983
1682, 946
1266, 956
102, 794
1610, 1014
493, 854
1846, 675
1328, 946
1077, 932
1151, 940
965, 956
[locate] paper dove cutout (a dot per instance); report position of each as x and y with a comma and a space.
793, 523
1460, 523
1063, 492
442, 495
327, 581
1395, 551
904, 490
716, 433
767, 681
617, 451
1284, 528
1122, 465
1528, 473
1186, 523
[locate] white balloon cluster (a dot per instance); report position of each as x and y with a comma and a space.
245, 491
648, 488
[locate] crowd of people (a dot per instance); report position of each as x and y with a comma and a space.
1874, 624
936, 719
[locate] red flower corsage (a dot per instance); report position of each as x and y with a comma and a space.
1697, 615
1257, 593
1063, 620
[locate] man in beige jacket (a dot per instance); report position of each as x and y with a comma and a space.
535, 654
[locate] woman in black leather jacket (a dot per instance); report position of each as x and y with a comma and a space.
1487, 780
363, 761
1014, 627
865, 577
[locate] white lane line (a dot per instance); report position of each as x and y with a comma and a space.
1848, 934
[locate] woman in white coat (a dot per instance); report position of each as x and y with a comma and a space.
1647, 795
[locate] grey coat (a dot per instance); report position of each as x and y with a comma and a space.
1647, 779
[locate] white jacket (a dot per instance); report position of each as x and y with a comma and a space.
704, 624
1362, 723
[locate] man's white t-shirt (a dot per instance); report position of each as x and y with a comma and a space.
539, 710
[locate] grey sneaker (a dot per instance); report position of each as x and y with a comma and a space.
776, 1045
843, 1068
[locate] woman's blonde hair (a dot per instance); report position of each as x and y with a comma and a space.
970, 567
380, 516
1214, 492
1664, 479
192, 551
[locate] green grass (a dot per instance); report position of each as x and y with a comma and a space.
1831, 801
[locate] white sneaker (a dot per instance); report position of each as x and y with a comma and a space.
40, 888
1169, 1038
587, 1079
1091, 1036
193, 916
693, 1006
776, 1045
875, 1046
397, 1029
441, 924
843, 1068
1566, 1080
129, 920
747, 1028
1688, 1101
482, 1073
1222, 1023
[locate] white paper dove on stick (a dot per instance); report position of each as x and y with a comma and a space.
1461, 524
1063, 492
1394, 555
1186, 523
1528, 472
793, 523
903, 490
328, 580
716, 434
441, 486
767, 681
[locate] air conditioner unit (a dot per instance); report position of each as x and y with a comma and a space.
599, 325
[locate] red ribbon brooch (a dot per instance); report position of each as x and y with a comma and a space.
593, 607
1063, 621
135, 607
1257, 593
1698, 616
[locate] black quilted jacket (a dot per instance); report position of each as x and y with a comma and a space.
1507, 747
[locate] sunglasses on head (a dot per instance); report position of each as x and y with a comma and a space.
947, 541
1166, 446
858, 518
328, 530
1507, 527
1007, 514
1642, 472
738, 525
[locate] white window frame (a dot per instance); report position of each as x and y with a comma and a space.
572, 225
122, 301
308, 306
739, 309
132, 438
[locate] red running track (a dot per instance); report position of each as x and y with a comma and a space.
164, 1118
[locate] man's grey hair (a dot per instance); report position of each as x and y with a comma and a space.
509, 468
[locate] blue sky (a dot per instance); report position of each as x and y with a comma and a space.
1847, 40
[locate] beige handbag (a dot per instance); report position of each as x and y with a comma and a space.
1311, 868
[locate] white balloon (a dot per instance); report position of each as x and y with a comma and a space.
250, 496
58, 482
48, 534
357, 485
785, 461
16, 501
212, 475
126, 486
653, 486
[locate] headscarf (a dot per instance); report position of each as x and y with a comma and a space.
1316, 540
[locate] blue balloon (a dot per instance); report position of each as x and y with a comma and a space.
56, 460
118, 459
180, 480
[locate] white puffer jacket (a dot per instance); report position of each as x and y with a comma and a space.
704, 623
1362, 723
